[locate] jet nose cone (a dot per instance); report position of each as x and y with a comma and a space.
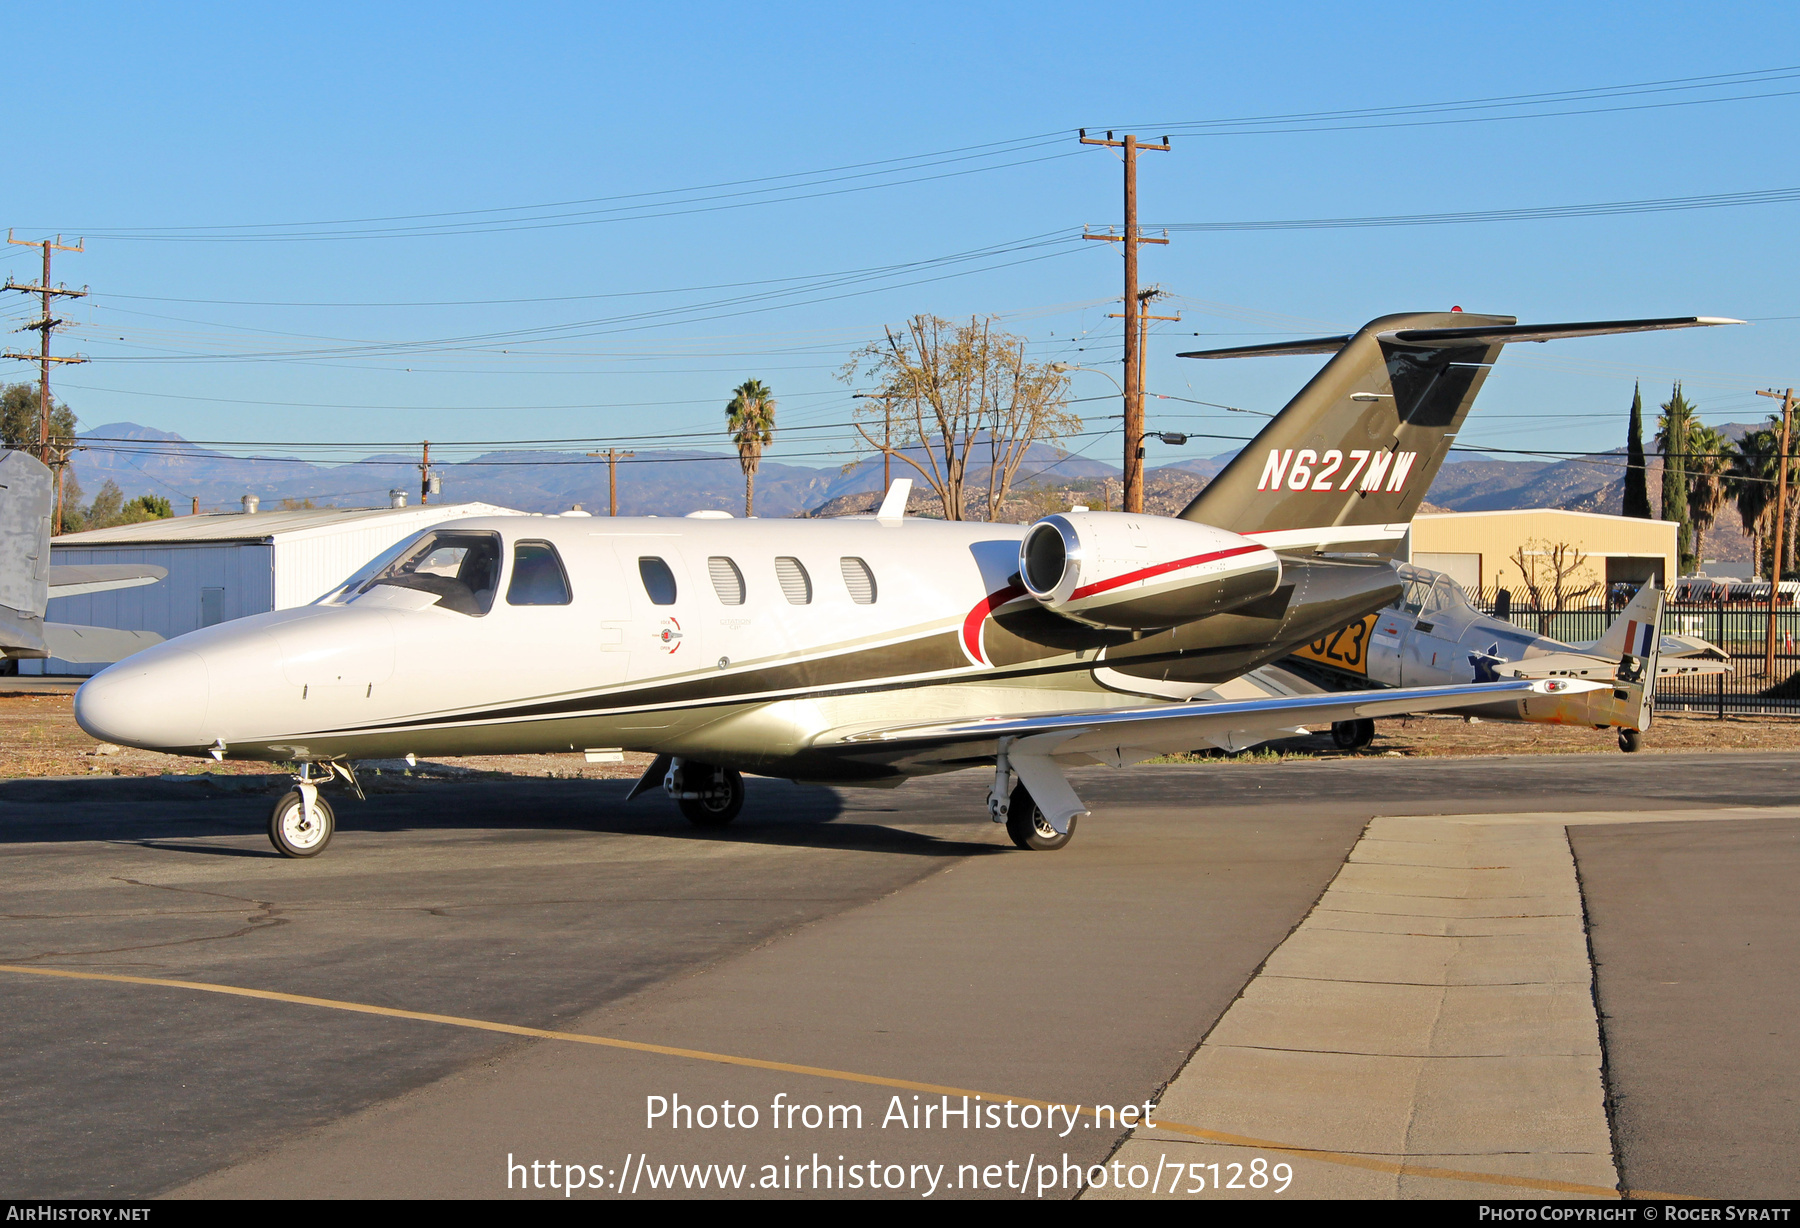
157, 703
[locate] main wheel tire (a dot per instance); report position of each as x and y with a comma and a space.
1028, 827
1631, 740
292, 835
715, 812
1353, 735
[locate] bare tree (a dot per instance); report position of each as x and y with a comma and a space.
953, 392
1548, 571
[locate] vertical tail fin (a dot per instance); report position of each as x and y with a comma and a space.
1346, 464
25, 508
1626, 634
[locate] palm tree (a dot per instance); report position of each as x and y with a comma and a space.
1751, 481
1707, 460
750, 416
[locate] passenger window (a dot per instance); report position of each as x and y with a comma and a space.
727, 580
659, 581
796, 585
460, 569
859, 580
537, 577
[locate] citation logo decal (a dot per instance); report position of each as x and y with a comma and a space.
670, 635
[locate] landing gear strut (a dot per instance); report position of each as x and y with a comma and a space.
708, 795
1352, 735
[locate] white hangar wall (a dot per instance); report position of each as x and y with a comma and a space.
230, 565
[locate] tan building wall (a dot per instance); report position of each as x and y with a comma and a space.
1477, 548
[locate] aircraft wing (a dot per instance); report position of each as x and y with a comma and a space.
1039, 747
1112, 735
74, 579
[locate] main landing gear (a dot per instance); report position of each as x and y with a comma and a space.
1352, 735
1631, 740
1028, 827
708, 795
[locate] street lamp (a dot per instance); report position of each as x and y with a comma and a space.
1061, 367
1173, 438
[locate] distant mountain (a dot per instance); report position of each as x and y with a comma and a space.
143, 460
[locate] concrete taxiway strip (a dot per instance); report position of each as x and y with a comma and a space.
1434, 1012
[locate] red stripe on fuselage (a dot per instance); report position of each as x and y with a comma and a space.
971, 628
1132, 577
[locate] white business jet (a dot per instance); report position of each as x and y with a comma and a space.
862, 650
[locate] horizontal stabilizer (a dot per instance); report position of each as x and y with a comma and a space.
1276, 349
95, 645
1446, 338
74, 579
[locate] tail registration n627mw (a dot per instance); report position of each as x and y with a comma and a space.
1305, 469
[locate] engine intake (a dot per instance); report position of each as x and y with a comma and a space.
1117, 569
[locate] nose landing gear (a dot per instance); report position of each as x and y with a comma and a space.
302, 822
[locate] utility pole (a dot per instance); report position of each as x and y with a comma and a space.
613, 457
1781, 468
1145, 298
425, 474
1133, 497
45, 325
887, 432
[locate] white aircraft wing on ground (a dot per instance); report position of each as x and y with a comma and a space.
1039, 747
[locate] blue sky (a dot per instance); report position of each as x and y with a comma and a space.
183, 141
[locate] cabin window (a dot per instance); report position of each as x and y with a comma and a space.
659, 581
461, 569
538, 577
727, 580
796, 585
859, 580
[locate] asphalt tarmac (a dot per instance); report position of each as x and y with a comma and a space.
886, 935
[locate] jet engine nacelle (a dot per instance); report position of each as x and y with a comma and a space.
1117, 569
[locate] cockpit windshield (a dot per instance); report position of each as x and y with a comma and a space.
461, 569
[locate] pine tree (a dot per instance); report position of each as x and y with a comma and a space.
1637, 480
1672, 440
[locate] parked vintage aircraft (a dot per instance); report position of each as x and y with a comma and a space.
28, 580
858, 650
1430, 635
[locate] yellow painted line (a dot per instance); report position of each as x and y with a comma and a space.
1372, 1163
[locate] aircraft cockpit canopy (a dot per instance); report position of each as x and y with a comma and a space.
459, 567
1429, 592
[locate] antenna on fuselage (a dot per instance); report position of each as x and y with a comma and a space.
893, 505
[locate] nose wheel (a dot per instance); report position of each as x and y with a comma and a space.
301, 823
